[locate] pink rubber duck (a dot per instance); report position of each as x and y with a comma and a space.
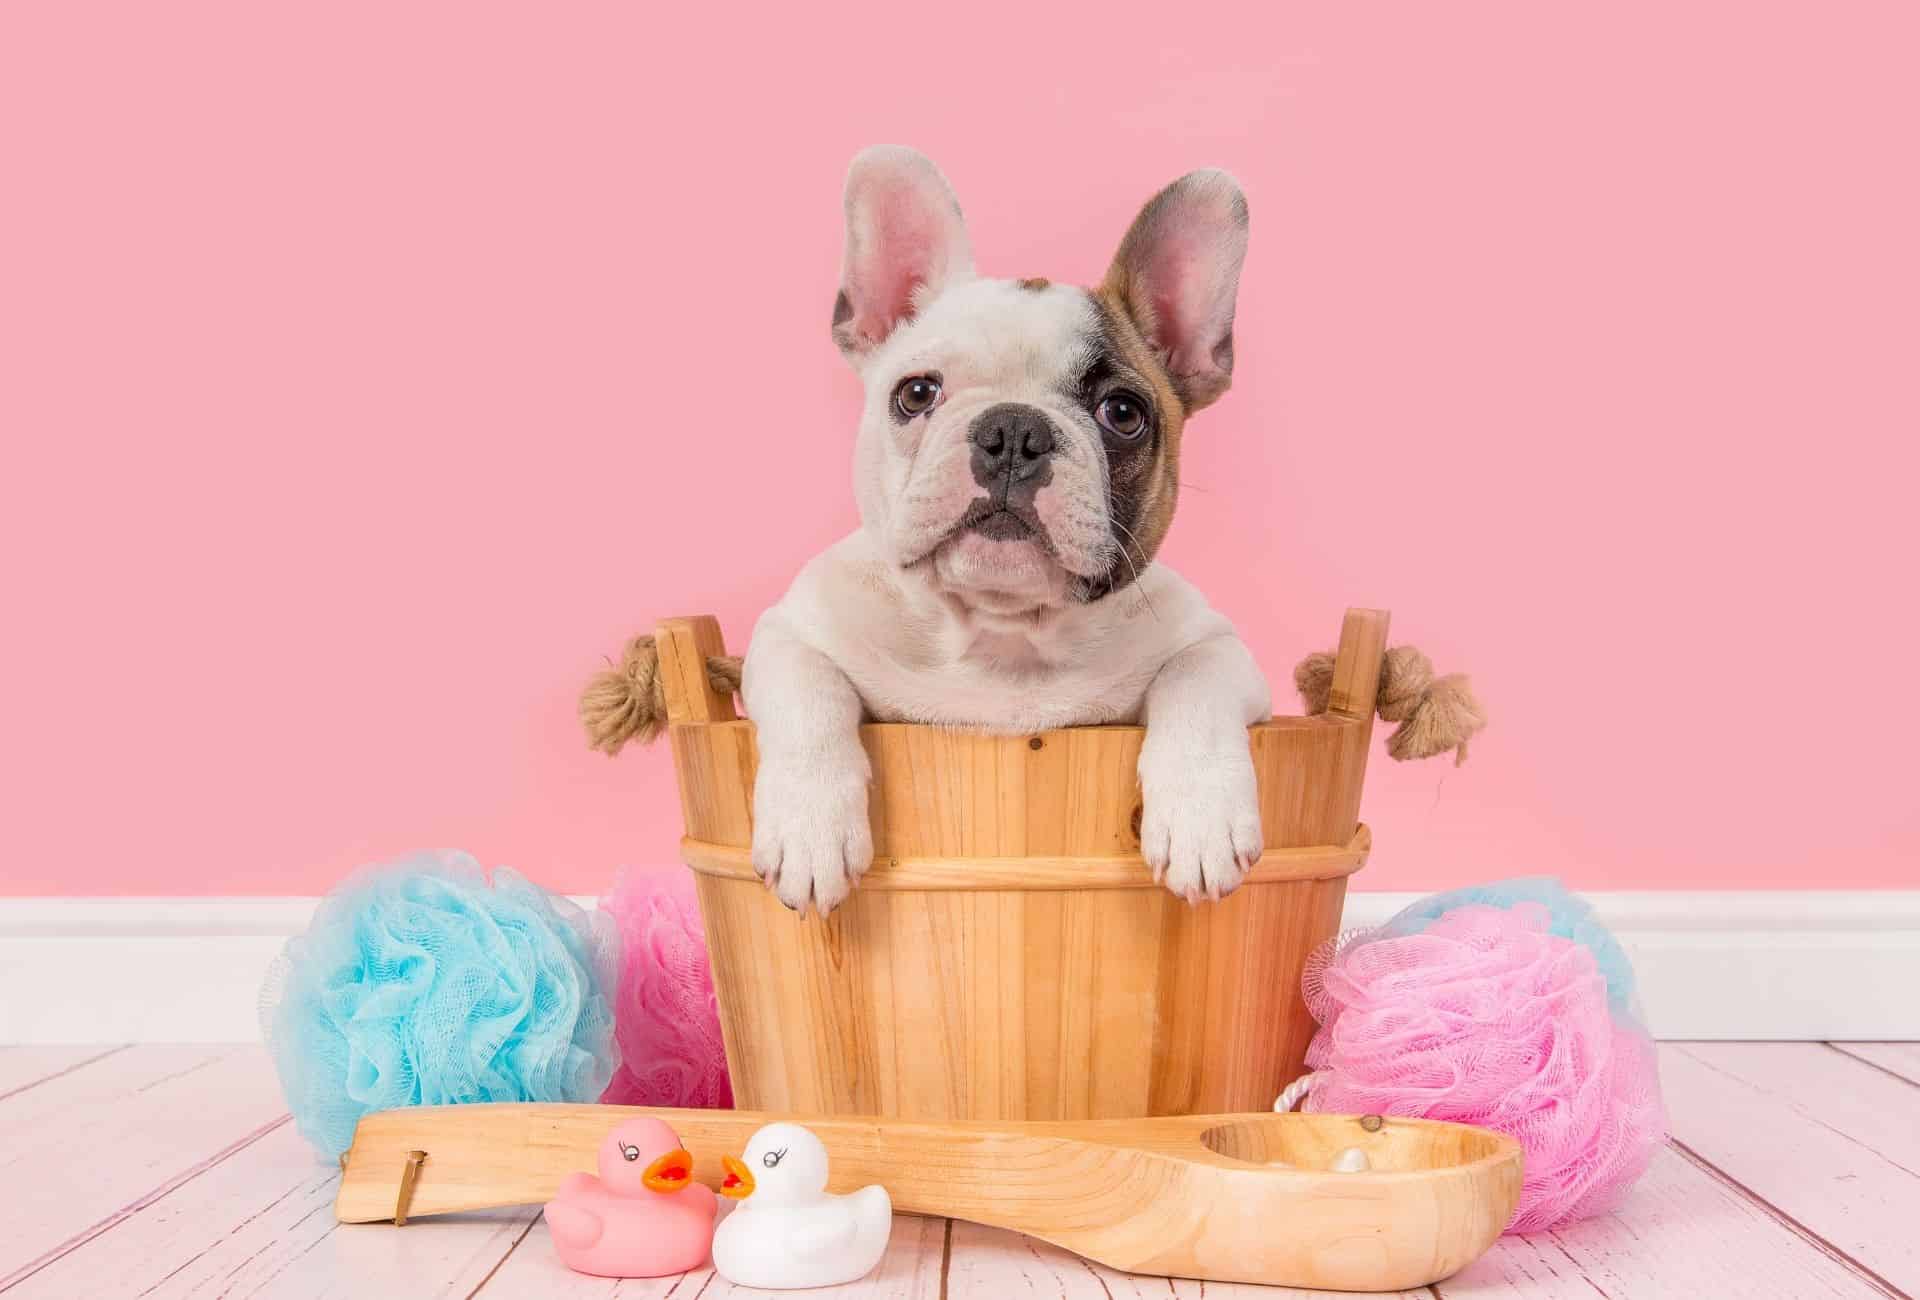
644, 1216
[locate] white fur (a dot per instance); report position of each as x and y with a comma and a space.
990, 341
856, 636
907, 620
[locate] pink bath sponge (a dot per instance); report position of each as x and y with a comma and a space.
666, 1020
1482, 1015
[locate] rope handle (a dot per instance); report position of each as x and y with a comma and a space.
1436, 714
627, 702
1294, 1093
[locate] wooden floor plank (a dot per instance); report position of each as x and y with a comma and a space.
29, 1067
1902, 1059
261, 1223
1830, 1141
910, 1270
1681, 1234
90, 1149
166, 1171
993, 1264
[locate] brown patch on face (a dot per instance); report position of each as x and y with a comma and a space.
1034, 283
1144, 485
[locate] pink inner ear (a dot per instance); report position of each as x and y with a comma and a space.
1179, 295
1186, 260
905, 239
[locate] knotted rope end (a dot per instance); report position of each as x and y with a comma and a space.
1436, 714
628, 703
625, 702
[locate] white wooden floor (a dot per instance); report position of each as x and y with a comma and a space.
172, 1171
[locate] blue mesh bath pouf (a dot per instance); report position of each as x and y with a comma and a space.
423, 983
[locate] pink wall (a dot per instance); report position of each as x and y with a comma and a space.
369, 370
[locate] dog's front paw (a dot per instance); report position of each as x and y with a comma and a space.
811, 842
1200, 829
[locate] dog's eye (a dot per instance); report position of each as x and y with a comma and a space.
916, 396
1122, 414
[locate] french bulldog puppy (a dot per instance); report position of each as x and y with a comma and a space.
1016, 468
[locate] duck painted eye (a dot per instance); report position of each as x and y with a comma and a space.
773, 1158
1122, 414
916, 395
631, 1153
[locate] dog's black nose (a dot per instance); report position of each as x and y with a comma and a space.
1011, 442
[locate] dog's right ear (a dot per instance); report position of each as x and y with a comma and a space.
905, 243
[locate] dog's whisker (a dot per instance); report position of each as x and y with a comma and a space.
1126, 554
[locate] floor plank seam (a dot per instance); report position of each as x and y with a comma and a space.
234, 1231
179, 1268
505, 1255
1580, 1270
681, 1281
1872, 1065
195, 1068
946, 1259
295, 1258
1812, 1117
61, 1074
1093, 1273
236, 1228
134, 1207
1793, 1225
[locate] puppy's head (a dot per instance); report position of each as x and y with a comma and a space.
1021, 439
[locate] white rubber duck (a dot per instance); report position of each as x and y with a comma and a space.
787, 1233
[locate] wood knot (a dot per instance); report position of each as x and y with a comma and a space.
1035, 743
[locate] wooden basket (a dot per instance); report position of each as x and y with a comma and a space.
1008, 955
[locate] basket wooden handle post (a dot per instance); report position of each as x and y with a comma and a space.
684, 645
1356, 665
1355, 690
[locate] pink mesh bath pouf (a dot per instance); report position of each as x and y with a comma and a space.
1507, 1006
666, 1019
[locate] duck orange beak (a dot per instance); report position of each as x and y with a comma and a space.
670, 1172
738, 1183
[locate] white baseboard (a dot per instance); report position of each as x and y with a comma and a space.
1757, 964
1712, 964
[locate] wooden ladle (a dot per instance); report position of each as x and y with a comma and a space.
1232, 1198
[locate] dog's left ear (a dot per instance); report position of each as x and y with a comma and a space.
1177, 274
905, 242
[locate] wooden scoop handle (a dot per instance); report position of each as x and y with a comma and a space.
1244, 1198
480, 1157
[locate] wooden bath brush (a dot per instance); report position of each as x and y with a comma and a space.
1354, 1203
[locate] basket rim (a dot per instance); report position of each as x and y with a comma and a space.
1043, 873
1278, 722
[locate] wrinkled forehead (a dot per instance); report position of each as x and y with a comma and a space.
1001, 331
